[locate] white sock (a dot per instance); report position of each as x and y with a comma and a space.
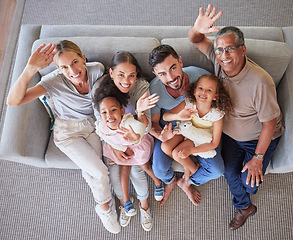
104, 211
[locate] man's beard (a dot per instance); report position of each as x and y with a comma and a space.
179, 78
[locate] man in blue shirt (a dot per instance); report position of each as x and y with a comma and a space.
170, 84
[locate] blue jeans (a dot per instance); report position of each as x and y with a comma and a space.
212, 168
236, 154
162, 164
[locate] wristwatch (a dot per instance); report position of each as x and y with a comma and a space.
259, 156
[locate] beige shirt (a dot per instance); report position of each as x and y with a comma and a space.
253, 94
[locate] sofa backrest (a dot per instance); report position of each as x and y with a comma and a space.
102, 49
273, 56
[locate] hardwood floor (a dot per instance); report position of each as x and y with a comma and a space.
7, 11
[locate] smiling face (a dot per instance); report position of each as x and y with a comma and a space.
170, 72
111, 112
124, 76
72, 66
206, 90
232, 63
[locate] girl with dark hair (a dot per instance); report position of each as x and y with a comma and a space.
125, 75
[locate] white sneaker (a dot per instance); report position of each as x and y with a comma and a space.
109, 220
123, 218
146, 219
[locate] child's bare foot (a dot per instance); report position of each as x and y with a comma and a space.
191, 192
167, 190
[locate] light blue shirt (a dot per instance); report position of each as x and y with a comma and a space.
166, 101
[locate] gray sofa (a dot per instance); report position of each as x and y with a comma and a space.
25, 135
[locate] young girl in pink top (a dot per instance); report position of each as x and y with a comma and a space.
122, 132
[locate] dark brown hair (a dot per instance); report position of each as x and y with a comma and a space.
222, 102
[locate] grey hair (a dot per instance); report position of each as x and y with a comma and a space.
239, 37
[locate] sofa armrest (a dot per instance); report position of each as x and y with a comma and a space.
25, 131
282, 160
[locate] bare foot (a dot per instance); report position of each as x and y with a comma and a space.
167, 190
191, 192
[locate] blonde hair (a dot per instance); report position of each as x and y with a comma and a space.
66, 45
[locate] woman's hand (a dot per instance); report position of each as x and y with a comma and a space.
42, 57
146, 102
128, 134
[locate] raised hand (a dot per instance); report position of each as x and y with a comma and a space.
205, 21
128, 134
42, 57
146, 102
185, 114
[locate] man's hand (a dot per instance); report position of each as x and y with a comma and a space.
254, 167
205, 21
167, 133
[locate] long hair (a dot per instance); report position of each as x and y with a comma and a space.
223, 101
106, 90
125, 57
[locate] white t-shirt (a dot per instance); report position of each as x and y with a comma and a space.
69, 104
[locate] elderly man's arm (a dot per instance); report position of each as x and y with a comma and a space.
254, 166
204, 25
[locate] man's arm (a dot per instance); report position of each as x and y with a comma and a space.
159, 133
204, 25
156, 129
254, 166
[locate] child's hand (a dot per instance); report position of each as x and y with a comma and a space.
185, 114
129, 152
122, 156
146, 102
184, 153
128, 134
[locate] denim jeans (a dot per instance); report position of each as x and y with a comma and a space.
78, 140
162, 164
211, 168
236, 154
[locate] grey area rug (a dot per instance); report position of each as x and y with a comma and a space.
57, 204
